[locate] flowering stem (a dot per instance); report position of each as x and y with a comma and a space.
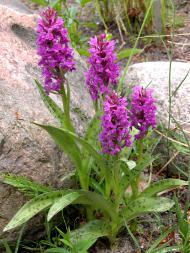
96, 106
117, 199
66, 106
107, 184
117, 184
140, 148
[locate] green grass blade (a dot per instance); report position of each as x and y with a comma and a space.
122, 80
159, 240
7, 247
19, 239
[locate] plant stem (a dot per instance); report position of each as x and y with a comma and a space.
117, 185
135, 187
66, 106
117, 199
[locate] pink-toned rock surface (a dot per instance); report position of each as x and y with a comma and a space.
24, 148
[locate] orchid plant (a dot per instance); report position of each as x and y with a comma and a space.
111, 156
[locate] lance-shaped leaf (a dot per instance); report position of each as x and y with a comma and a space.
57, 250
162, 185
93, 130
146, 205
82, 246
62, 202
51, 105
89, 148
92, 230
33, 207
66, 142
96, 201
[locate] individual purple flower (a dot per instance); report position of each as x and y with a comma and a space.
143, 111
104, 71
115, 125
53, 47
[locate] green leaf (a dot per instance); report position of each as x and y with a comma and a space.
96, 186
61, 136
84, 245
51, 105
93, 199
83, 2
68, 176
57, 250
161, 186
61, 203
33, 207
96, 201
109, 36
30, 188
145, 205
182, 219
125, 53
64, 139
40, 2
90, 231
90, 25
7, 247
93, 130
83, 51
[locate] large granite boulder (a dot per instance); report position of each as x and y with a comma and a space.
25, 149
156, 75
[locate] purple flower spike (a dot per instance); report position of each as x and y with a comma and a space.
115, 125
53, 47
104, 71
143, 111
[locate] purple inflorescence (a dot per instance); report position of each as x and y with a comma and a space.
103, 71
115, 125
143, 111
53, 47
